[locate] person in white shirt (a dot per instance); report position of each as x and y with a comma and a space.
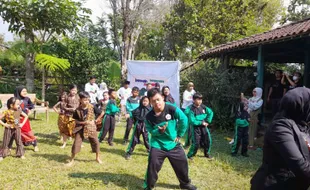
188, 101
188, 95
92, 88
123, 94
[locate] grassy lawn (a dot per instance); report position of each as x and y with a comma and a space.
45, 169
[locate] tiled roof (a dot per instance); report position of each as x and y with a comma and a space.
300, 28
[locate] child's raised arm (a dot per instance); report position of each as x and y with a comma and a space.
55, 107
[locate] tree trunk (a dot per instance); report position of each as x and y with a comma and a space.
43, 84
126, 33
29, 64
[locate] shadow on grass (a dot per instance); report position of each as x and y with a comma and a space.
61, 158
48, 136
121, 180
221, 151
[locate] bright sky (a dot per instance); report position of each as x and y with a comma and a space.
98, 7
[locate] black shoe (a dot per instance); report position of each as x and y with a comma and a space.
127, 156
209, 156
188, 187
125, 142
111, 144
233, 154
245, 154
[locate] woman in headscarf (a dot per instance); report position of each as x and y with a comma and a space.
102, 88
254, 104
26, 105
286, 162
139, 115
167, 96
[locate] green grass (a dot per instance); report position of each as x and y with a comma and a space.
45, 169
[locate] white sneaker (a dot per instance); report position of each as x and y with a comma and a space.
232, 141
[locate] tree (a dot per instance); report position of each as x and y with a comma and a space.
297, 10
196, 25
39, 20
131, 12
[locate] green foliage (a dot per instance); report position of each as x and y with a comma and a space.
196, 25
221, 88
224, 172
151, 43
114, 74
51, 63
144, 56
85, 58
52, 16
297, 10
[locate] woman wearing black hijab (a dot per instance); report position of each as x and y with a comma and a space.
286, 152
139, 115
26, 105
167, 96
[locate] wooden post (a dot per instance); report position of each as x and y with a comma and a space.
260, 70
43, 84
260, 67
307, 64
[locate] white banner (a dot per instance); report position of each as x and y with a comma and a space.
166, 73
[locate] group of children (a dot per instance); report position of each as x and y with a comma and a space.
155, 116
17, 125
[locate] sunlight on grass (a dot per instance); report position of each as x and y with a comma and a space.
46, 170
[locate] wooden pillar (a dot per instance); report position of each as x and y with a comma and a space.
260, 67
307, 64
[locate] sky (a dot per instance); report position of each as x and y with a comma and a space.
98, 7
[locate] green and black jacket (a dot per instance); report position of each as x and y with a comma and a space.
177, 126
198, 115
132, 103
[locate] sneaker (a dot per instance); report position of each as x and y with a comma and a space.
127, 156
188, 187
245, 154
209, 156
232, 141
1, 158
23, 157
125, 142
111, 144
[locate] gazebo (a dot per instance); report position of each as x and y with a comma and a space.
286, 44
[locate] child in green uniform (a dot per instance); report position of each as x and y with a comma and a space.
108, 122
241, 131
131, 104
200, 116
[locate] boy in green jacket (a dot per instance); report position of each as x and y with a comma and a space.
108, 122
131, 104
166, 124
241, 131
200, 116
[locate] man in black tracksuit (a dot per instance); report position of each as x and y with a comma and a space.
166, 124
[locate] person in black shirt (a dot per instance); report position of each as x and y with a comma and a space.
286, 152
295, 82
276, 92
